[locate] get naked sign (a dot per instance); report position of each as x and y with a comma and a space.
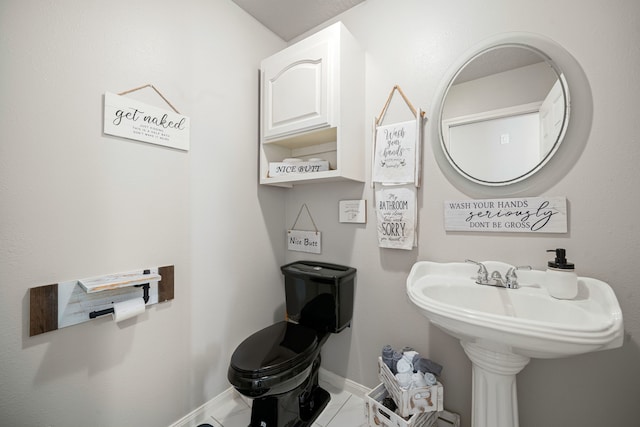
135, 120
523, 215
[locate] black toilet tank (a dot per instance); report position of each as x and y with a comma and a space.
319, 295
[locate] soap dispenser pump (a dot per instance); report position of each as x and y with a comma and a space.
561, 278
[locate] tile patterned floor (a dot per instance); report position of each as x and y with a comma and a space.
344, 409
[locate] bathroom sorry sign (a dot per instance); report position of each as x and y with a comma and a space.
524, 215
128, 118
396, 211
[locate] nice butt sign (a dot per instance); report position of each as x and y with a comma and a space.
128, 118
524, 215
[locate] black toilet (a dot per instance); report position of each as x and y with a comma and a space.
278, 365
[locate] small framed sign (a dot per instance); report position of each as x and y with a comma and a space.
521, 215
354, 211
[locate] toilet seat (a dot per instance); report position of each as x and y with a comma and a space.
272, 355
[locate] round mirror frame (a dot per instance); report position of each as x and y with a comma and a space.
567, 148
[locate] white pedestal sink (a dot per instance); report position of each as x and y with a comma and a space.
501, 329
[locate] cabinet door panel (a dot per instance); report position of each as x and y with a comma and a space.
296, 92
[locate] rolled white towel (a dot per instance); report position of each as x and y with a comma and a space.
418, 380
404, 380
430, 379
409, 355
404, 367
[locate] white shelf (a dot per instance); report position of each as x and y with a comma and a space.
305, 139
116, 281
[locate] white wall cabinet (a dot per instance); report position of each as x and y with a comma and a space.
312, 106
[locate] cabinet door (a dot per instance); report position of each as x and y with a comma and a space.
296, 92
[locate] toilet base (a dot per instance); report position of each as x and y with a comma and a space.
273, 412
321, 398
297, 408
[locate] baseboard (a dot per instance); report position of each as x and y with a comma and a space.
342, 383
446, 419
323, 375
202, 410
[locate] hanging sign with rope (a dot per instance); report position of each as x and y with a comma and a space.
303, 240
132, 119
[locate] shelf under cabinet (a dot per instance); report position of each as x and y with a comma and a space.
308, 178
307, 139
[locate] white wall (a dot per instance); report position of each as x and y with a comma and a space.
62, 184
412, 43
75, 203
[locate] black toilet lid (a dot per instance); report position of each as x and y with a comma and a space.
274, 349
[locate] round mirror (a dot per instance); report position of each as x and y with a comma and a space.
504, 114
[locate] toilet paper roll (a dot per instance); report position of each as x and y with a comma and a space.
127, 309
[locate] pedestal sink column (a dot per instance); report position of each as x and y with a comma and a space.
495, 400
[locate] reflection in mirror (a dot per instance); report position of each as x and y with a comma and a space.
504, 114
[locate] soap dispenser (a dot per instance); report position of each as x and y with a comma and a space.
561, 278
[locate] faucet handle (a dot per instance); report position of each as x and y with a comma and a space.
512, 278
483, 274
512, 270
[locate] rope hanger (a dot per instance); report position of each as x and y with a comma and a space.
304, 206
406, 100
157, 91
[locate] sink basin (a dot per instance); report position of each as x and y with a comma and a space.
500, 329
528, 319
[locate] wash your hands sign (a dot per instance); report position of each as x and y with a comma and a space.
522, 215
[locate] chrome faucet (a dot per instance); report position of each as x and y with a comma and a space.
509, 281
483, 274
